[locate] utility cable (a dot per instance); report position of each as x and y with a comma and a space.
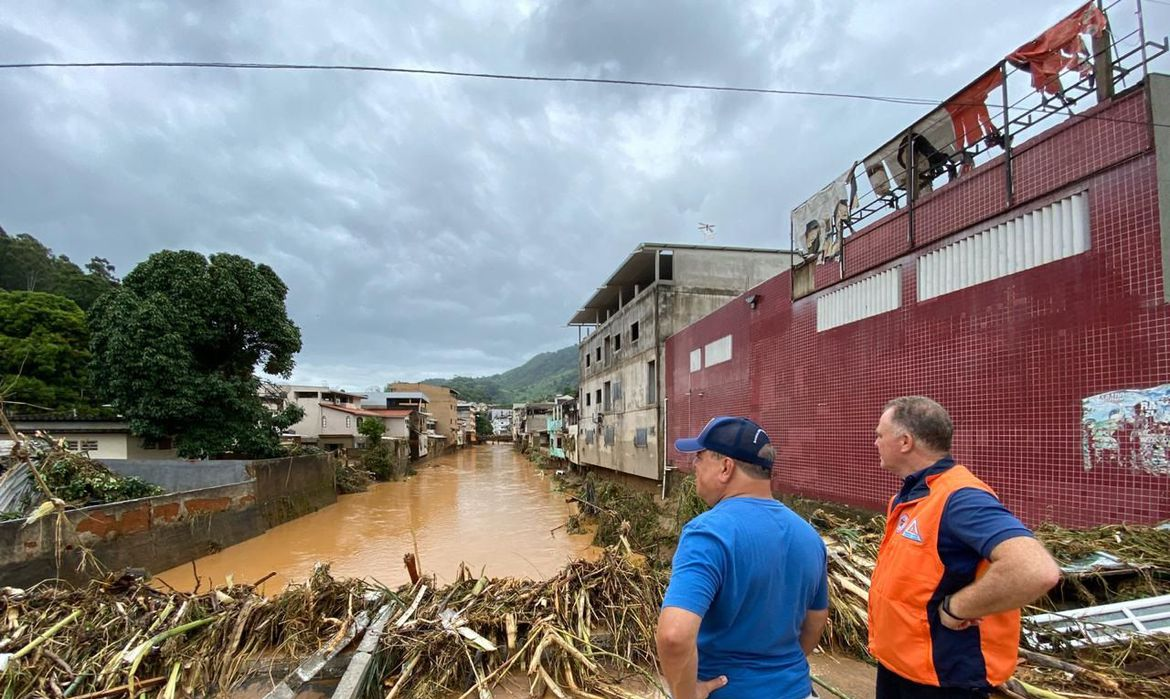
529, 78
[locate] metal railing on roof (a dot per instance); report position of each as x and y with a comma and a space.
1117, 57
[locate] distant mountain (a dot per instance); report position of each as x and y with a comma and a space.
540, 378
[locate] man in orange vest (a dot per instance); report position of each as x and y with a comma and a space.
953, 570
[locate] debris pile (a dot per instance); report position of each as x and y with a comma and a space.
582, 632
1133, 666
40, 469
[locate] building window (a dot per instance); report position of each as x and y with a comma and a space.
89, 445
587, 401
71, 445
597, 397
608, 347
666, 265
640, 440
607, 389
324, 421
599, 354
617, 342
651, 383
634, 332
718, 351
347, 423
696, 359
588, 356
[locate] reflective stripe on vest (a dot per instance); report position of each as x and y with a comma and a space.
909, 582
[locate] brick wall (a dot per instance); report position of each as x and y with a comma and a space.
164, 531
1012, 359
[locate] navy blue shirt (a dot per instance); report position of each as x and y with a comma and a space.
751, 568
973, 522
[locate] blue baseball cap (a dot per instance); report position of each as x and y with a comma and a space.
737, 437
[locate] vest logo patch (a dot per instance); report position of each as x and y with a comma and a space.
911, 531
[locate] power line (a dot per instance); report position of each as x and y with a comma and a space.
467, 74
536, 78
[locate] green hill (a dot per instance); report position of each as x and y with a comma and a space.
540, 378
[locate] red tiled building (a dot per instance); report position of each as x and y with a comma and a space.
1019, 355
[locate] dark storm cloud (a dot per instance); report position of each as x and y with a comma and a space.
432, 226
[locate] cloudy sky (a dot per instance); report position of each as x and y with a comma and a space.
432, 226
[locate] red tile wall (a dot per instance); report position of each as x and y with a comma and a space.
1012, 359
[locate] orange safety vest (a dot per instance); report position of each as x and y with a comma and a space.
905, 633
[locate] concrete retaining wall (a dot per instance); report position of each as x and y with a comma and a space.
167, 530
177, 475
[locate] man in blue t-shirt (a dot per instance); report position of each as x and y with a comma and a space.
748, 594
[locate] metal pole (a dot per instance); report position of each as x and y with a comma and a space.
1142, 38
911, 190
1006, 135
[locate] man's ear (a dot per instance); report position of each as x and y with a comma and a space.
907, 445
726, 469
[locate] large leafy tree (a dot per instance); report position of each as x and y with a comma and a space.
176, 346
43, 351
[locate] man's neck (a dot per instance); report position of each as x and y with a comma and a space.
750, 488
918, 461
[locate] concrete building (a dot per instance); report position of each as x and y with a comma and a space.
501, 419
531, 426
326, 423
465, 423
657, 291
419, 422
562, 428
443, 403
97, 438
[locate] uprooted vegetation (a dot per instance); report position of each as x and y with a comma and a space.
48, 472
582, 632
1051, 662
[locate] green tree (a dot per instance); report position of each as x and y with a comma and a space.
372, 429
27, 265
175, 348
483, 425
43, 350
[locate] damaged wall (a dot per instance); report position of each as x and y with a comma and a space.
167, 530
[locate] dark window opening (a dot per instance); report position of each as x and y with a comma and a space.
633, 332
666, 265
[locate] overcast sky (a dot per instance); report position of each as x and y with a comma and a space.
432, 226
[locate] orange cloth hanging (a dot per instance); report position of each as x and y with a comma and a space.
1060, 48
968, 110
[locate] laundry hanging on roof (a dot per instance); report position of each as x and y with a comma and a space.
1060, 48
970, 118
821, 223
932, 142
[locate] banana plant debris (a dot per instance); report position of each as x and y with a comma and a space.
586, 632
581, 633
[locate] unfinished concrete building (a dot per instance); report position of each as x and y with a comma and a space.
658, 290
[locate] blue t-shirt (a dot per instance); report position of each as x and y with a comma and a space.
751, 568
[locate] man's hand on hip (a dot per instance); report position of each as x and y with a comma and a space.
703, 689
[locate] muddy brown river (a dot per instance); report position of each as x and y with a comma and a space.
486, 506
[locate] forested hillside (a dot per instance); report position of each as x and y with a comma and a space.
540, 378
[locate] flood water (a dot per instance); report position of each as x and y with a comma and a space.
485, 505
